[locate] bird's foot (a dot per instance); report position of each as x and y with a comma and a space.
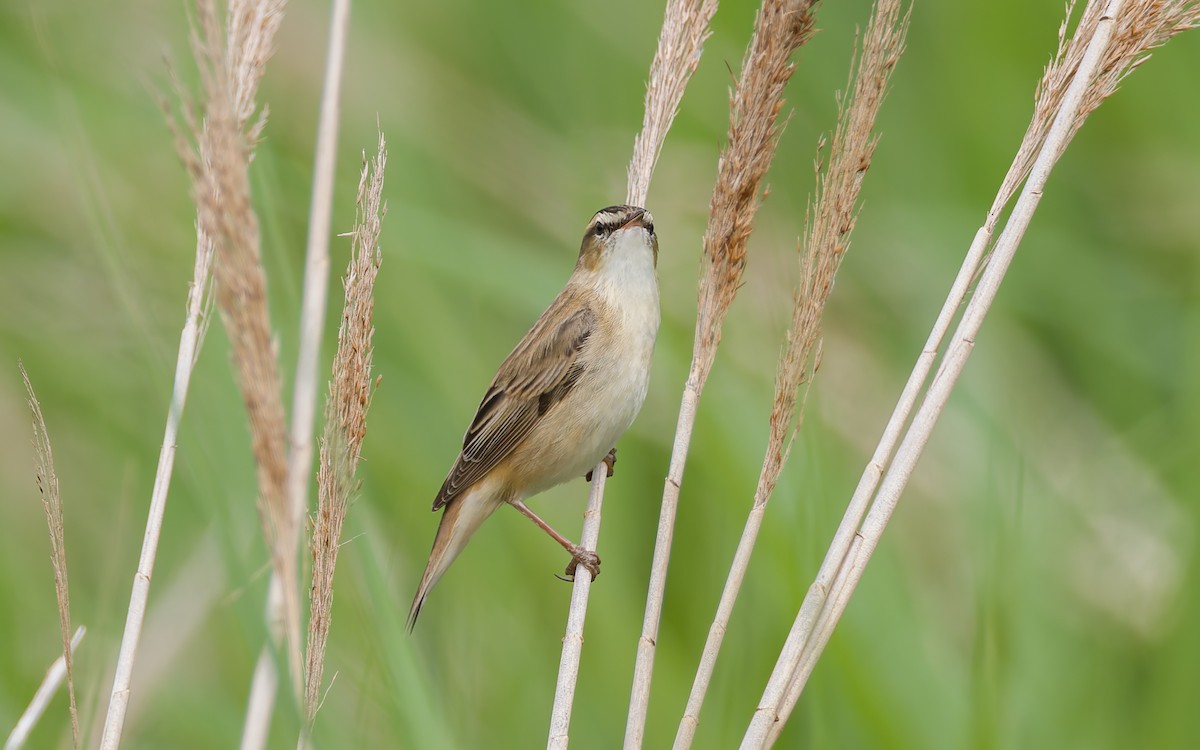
610, 461
585, 557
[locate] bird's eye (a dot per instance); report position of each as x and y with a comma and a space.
603, 230
650, 227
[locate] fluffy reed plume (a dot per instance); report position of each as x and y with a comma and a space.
831, 220
47, 483
221, 189
832, 215
1110, 41
680, 42
345, 415
216, 153
780, 28
1140, 26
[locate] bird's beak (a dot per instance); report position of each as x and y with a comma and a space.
636, 217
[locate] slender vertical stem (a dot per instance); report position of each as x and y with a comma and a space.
686, 733
639, 699
316, 271
264, 683
810, 655
190, 340
41, 699
568, 665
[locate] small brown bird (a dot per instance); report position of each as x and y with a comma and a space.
569, 389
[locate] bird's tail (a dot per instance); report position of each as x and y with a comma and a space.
461, 518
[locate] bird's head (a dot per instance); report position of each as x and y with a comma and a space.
615, 234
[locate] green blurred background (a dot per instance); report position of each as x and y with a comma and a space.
1036, 589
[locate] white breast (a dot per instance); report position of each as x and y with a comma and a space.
628, 282
621, 362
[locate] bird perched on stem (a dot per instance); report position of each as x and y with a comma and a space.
569, 389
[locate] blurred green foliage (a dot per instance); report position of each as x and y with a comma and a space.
1037, 588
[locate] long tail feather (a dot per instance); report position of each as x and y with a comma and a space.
461, 518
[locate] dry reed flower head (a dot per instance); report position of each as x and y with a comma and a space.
757, 99
680, 42
1140, 26
47, 483
346, 407
832, 215
216, 151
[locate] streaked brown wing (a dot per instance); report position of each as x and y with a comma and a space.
538, 373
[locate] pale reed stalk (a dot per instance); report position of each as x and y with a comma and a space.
41, 699
781, 27
831, 221
680, 43
196, 318
572, 650
1110, 41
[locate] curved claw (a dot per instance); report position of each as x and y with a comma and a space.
588, 559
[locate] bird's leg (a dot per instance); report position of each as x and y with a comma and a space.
610, 461
579, 556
